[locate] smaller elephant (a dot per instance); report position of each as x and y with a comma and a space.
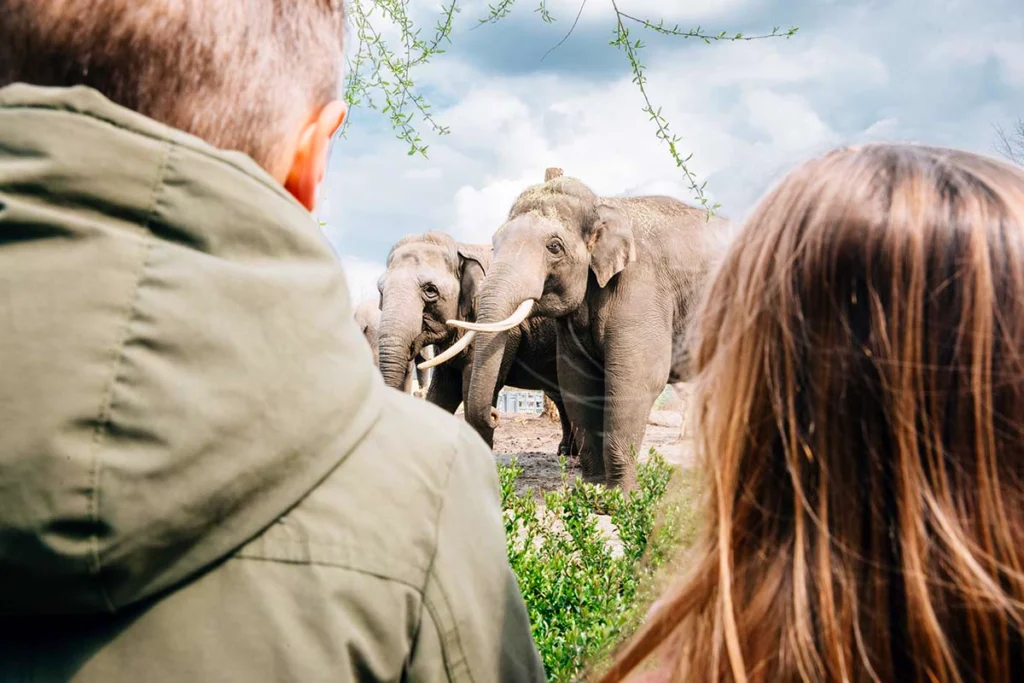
431, 279
367, 315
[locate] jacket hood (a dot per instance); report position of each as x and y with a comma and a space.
180, 363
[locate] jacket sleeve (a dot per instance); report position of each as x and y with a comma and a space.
474, 626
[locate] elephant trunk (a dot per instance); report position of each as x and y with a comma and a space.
400, 326
394, 363
505, 292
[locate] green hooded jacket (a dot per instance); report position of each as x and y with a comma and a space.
202, 475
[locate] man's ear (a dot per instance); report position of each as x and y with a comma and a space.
310, 160
611, 243
471, 276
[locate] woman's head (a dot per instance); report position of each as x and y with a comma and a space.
860, 408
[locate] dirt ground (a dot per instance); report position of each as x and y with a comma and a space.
533, 441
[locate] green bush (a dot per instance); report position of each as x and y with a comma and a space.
586, 595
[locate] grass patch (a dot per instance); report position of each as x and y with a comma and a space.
585, 594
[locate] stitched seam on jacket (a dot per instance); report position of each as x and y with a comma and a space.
340, 566
451, 663
106, 407
301, 551
428, 606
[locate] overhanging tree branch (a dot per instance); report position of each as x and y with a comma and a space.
622, 41
569, 33
1010, 143
703, 35
376, 69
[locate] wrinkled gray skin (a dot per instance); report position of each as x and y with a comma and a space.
620, 276
430, 279
367, 315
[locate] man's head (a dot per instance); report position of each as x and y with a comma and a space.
259, 76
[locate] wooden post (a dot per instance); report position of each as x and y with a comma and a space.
550, 410
551, 174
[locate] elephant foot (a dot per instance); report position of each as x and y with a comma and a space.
571, 458
569, 446
591, 475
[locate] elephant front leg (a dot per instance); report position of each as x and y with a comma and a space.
445, 388
581, 383
634, 378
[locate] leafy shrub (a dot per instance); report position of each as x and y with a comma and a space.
586, 594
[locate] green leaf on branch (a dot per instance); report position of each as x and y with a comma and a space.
585, 591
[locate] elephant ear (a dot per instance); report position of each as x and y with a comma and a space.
610, 243
380, 291
472, 268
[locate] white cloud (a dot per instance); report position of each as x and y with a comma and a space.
434, 173
493, 121
1011, 57
748, 112
479, 211
999, 41
789, 121
598, 132
795, 61
361, 276
883, 129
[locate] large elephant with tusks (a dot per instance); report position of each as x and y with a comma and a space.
620, 276
431, 279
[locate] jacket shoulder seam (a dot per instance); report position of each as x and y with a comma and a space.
329, 564
107, 401
166, 139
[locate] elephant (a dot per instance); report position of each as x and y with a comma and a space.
367, 315
620, 276
431, 278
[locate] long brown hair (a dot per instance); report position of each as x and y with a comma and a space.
860, 421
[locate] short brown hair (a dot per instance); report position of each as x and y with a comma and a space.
232, 72
860, 395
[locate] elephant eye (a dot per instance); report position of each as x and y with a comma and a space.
555, 247
430, 291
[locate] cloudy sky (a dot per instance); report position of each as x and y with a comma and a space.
936, 71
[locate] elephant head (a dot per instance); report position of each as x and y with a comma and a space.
367, 315
557, 237
429, 279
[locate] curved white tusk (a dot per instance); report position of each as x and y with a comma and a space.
521, 314
452, 351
